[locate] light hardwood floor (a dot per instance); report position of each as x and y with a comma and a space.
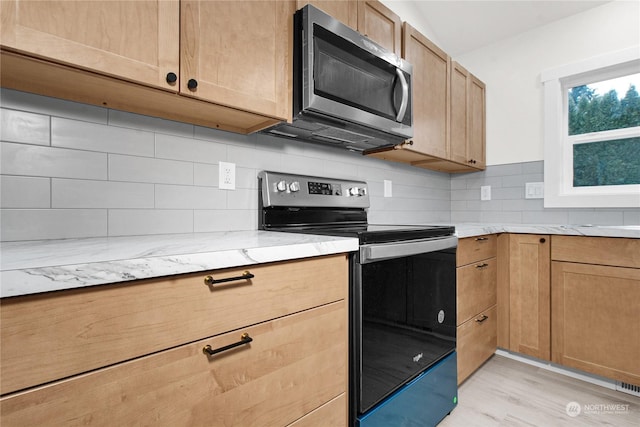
506, 392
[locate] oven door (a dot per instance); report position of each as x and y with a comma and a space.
403, 314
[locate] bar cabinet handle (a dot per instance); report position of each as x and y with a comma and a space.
209, 280
244, 339
482, 318
481, 239
483, 265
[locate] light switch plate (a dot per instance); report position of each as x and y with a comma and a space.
388, 188
534, 190
485, 192
227, 176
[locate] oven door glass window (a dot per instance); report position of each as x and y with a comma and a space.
408, 321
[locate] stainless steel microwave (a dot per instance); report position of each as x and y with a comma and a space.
347, 90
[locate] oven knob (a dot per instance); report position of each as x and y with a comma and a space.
281, 186
294, 186
357, 191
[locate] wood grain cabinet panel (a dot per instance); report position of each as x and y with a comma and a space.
529, 295
239, 53
53, 335
379, 23
294, 365
133, 40
595, 324
345, 11
476, 342
476, 289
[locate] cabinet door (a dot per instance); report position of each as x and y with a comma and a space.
238, 54
459, 113
595, 324
431, 93
294, 365
380, 24
131, 40
476, 342
476, 146
345, 11
529, 298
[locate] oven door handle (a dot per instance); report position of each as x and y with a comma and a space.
380, 252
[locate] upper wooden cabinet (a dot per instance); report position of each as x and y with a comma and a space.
467, 118
380, 24
235, 57
369, 17
448, 111
345, 11
135, 40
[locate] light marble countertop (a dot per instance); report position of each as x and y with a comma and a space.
50, 265
471, 229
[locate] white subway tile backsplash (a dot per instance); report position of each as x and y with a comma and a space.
223, 137
27, 128
224, 220
25, 192
76, 193
253, 158
205, 175
33, 160
189, 197
242, 199
144, 169
600, 217
99, 137
132, 222
189, 149
40, 224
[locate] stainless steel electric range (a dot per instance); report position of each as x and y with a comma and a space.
402, 298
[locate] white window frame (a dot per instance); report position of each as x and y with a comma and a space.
558, 146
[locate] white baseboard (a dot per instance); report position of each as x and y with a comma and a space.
573, 373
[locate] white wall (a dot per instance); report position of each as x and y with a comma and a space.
511, 69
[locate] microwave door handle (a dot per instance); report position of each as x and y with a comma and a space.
405, 95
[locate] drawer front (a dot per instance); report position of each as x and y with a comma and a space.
50, 336
473, 249
476, 288
294, 365
618, 252
331, 414
476, 342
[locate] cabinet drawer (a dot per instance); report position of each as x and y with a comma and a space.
476, 288
476, 342
613, 251
50, 336
472, 249
294, 364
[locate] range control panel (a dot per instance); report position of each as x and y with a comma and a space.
280, 189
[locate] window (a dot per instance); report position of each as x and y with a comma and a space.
592, 132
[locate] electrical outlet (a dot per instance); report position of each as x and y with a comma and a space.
227, 176
388, 187
485, 192
534, 190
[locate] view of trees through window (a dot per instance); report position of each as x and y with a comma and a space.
608, 162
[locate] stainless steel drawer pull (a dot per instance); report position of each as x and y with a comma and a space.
482, 318
209, 280
481, 239
244, 339
483, 265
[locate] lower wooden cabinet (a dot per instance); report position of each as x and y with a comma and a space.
594, 312
476, 334
293, 365
290, 367
476, 342
524, 294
